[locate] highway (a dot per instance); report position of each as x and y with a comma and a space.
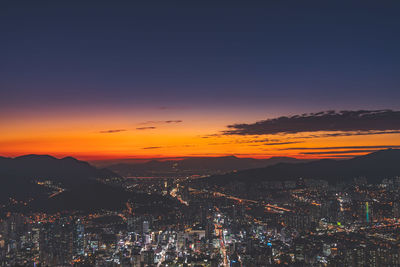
268, 206
219, 233
174, 193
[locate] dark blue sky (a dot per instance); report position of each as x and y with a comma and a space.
290, 55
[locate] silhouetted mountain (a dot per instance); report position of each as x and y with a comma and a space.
94, 196
83, 191
17, 174
66, 170
374, 167
198, 165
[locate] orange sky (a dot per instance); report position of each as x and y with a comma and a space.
190, 134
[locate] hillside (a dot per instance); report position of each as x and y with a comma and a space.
374, 167
198, 165
17, 175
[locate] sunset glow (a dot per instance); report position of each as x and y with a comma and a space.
129, 85
188, 136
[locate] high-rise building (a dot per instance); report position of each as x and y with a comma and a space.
79, 238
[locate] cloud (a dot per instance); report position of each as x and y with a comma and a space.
338, 152
146, 128
282, 143
344, 156
249, 141
339, 147
350, 122
173, 121
157, 147
257, 142
218, 144
113, 131
211, 135
352, 133
160, 122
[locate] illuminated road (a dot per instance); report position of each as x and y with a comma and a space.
219, 233
174, 194
268, 206
129, 208
162, 258
57, 193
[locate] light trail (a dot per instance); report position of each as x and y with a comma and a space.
174, 194
56, 193
268, 206
218, 233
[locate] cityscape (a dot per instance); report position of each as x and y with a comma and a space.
195, 221
199, 134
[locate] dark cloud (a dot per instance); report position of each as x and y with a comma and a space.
218, 144
173, 121
161, 122
146, 128
113, 131
345, 156
264, 140
282, 143
361, 121
156, 147
187, 146
211, 135
339, 147
352, 133
338, 152
259, 141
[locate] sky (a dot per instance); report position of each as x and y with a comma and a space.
117, 79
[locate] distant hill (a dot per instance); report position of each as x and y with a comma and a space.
374, 167
67, 170
198, 165
94, 196
17, 174
83, 191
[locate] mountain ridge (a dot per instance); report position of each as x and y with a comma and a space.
67, 169
374, 167
82, 188
196, 165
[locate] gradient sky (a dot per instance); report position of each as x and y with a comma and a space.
108, 79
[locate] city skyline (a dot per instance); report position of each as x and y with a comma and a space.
200, 133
